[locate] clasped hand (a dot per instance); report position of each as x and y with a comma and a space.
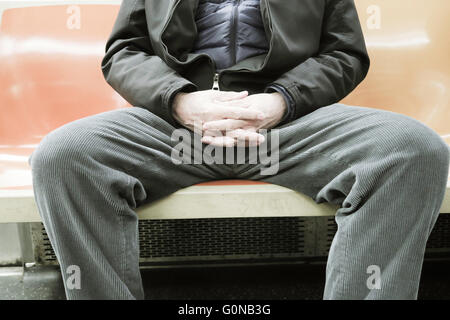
225, 118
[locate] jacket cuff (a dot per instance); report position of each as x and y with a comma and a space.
293, 88
290, 103
183, 86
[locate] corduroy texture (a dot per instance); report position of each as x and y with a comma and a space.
388, 172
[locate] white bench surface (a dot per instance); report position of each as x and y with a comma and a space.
201, 201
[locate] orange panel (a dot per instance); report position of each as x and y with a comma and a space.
50, 74
409, 45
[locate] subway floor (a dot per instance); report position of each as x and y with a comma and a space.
277, 282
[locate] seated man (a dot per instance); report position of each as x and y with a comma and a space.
281, 66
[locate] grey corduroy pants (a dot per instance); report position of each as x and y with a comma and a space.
387, 171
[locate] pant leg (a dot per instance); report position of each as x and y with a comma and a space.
88, 177
388, 172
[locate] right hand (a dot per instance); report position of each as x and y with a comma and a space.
193, 109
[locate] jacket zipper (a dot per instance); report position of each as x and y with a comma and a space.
216, 82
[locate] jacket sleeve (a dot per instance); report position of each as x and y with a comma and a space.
339, 66
132, 68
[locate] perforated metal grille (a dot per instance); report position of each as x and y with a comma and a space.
215, 237
440, 236
42, 248
236, 238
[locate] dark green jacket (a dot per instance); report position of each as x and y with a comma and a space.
317, 53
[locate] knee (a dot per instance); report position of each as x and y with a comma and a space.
415, 142
56, 154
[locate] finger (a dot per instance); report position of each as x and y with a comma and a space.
224, 125
212, 133
240, 103
240, 113
230, 95
222, 141
246, 135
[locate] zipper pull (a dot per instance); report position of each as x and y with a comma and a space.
216, 82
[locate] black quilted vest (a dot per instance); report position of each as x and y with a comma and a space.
230, 31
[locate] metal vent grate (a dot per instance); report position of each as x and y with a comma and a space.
43, 250
439, 239
236, 239
216, 237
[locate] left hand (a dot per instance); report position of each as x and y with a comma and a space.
227, 132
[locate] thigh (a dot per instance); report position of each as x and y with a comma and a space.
336, 142
131, 141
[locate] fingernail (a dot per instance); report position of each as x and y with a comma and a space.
260, 116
